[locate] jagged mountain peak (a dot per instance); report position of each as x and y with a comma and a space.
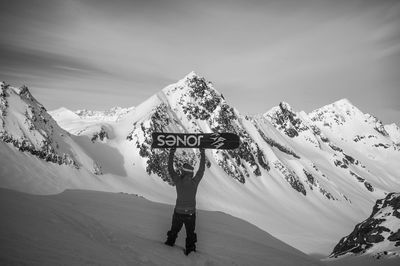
281, 108
191, 75
284, 118
284, 106
183, 81
193, 97
346, 120
344, 103
63, 113
190, 83
22, 91
339, 110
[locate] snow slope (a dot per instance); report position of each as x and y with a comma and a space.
86, 122
98, 228
306, 179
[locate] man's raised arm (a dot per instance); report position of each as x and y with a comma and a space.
171, 170
200, 172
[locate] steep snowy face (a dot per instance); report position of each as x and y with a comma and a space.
297, 134
26, 124
378, 235
193, 105
345, 121
362, 137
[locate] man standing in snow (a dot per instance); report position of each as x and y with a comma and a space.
185, 207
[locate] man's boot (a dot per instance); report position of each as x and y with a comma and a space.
171, 237
190, 244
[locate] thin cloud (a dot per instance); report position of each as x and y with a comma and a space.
308, 53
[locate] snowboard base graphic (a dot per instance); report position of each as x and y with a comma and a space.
226, 141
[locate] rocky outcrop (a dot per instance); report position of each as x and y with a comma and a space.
378, 235
101, 135
286, 120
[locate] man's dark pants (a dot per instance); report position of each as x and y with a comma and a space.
178, 220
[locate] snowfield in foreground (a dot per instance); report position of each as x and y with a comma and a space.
80, 227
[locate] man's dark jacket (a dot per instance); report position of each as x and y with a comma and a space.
186, 187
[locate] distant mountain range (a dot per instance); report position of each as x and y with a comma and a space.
307, 179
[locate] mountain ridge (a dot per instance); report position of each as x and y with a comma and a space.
288, 165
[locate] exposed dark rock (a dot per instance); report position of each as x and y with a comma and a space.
101, 135
286, 120
290, 177
313, 183
280, 147
335, 148
362, 180
395, 237
372, 230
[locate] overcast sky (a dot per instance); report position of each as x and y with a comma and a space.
99, 54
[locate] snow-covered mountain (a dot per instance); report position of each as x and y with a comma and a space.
27, 126
378, 235
305, 178
113, 114
87, 122
37, 155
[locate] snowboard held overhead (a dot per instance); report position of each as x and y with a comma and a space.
203, 140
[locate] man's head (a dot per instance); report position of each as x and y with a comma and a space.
187, 169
